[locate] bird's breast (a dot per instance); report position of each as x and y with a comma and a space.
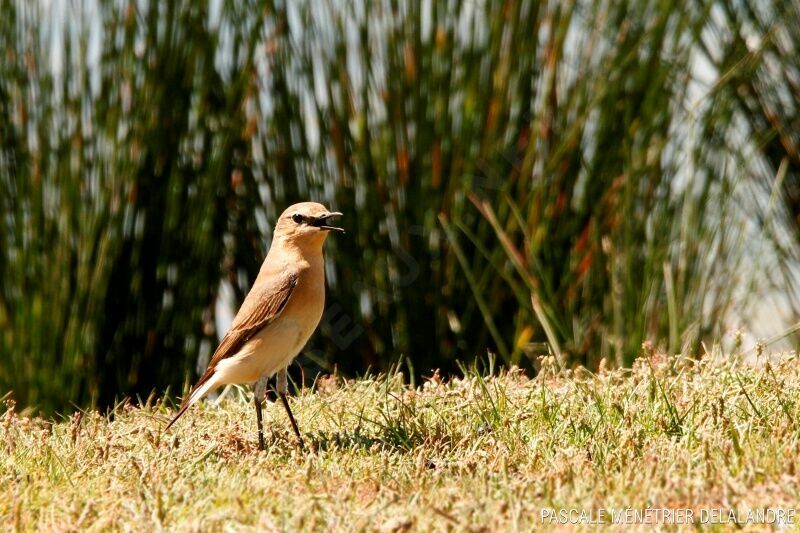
307, 301
288, 334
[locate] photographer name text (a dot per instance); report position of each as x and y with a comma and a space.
648, 515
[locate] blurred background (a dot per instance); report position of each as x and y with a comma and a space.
519, 177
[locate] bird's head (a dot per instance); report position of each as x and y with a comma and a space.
306, 224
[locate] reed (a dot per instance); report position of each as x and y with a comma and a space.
516, 176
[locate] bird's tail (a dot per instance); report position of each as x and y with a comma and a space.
198, 392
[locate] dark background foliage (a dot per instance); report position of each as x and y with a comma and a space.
524, 177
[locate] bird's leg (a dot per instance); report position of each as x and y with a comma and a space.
282, 386
259, 393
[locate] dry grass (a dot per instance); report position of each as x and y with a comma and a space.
469, 453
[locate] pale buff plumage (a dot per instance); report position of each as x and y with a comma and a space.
279, 314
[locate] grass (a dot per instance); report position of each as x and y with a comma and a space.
470, 453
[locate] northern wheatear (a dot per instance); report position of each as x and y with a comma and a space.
279, 314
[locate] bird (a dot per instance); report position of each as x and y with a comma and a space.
278, 315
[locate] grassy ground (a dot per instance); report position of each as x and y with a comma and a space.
465, 454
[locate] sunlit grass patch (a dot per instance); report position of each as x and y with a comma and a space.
474, 451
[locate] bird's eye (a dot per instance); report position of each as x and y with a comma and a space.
297, 217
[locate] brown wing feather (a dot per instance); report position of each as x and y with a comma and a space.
265, 302
262, 305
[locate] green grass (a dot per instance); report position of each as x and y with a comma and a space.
468, 453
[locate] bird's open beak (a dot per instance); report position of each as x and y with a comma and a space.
322, 222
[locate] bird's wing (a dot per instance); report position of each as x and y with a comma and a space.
263, 304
